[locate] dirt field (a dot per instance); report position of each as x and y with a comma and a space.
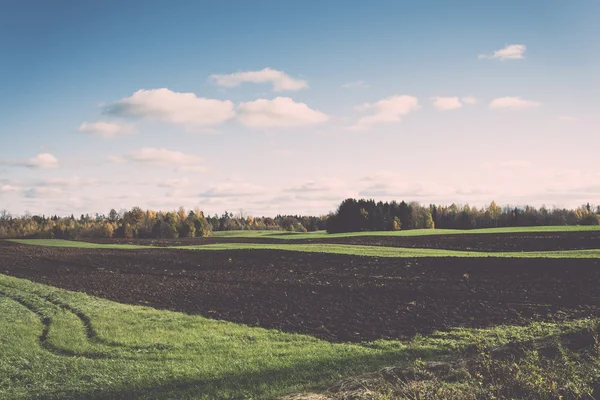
476, 242
334, 297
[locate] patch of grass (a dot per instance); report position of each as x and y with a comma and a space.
256, 233
359, 250
413, 232
561, 366
57, 344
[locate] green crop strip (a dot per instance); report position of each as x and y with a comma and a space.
358, 250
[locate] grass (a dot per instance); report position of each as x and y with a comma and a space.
413, 232
369, 251
60, 344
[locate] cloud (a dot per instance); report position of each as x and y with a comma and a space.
8, 188
383, 176
407, 190
173, 107
281, 112
324, 185
43, 192
510, 52
446, 103
280, 80
148, 155
43, 160
173, 183
192, 168
513, 103
388, 110
356, 84
232, 189
469, 100
106, 130
73, 181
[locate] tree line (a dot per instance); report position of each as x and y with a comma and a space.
351, 216
367, 215
138, 223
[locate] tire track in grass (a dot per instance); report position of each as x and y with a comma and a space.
46, 323
90, 333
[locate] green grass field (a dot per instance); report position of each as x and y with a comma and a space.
414, 232
56, 344
369, 251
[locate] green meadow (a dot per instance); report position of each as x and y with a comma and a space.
57, 344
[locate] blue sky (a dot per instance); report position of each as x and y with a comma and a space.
289, 107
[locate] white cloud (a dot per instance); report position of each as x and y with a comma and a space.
281, 112
192, 168
388, 110
280, 80
392, 185
173, 107
43, 192
8, 188
469, 100
173, 182
116, 159
356, 84
229, 189
106, 130
513, 103
510, 52
312, 186
447, 103
383, 176
73, 181
407, 190
148, 155
43, 160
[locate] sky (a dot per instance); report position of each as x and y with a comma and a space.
275, 107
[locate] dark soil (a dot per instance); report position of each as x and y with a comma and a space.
334, 297
531, 241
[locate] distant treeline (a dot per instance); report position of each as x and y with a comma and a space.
351, 216
367, 215
137, 223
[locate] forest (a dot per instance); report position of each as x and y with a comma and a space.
138, 223
367, 215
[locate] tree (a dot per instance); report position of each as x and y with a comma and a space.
4, 215
125, 231
396, 224
108, 230
187, 230
134, 216
495, 212
113, 215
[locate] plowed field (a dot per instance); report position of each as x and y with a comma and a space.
334, 297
